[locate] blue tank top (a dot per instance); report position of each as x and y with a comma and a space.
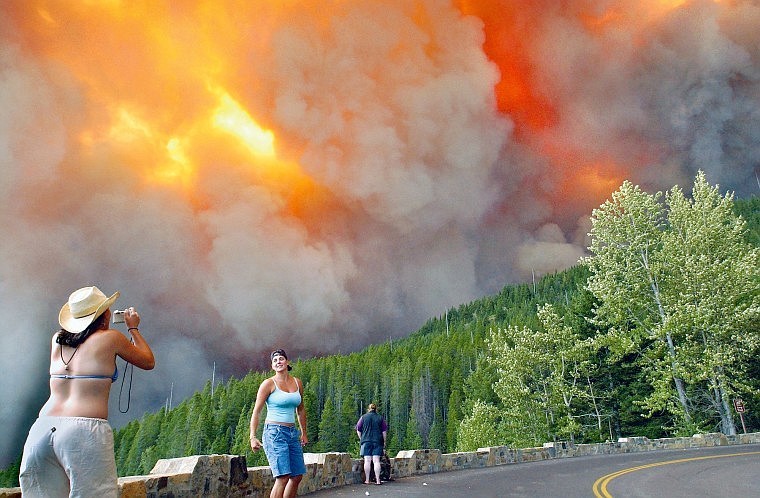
281, 405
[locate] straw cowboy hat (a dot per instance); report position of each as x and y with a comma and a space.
84, 306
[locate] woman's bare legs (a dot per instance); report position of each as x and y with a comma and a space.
367, 468
291, 489
280, 483
376, 463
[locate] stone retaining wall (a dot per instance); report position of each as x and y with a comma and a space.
227, 476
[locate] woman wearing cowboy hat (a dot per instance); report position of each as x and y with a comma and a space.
69, 450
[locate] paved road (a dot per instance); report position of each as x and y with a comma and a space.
705, 472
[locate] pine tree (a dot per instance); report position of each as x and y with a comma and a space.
329, 428
412, 438
453, 418
347, 421
241, 444
437, 438
9, 476
122, 444
312, 414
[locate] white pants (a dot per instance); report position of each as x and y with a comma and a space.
69, 457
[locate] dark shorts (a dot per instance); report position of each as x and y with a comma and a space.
371, 449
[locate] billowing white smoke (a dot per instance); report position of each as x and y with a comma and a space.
426, 199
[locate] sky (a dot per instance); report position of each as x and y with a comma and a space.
324, 175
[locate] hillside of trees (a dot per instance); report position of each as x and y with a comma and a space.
431, 385
537, 362
422, 385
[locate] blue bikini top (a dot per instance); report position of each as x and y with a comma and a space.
67, 376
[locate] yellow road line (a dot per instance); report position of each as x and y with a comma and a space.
600, 485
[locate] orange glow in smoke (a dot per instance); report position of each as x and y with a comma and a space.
172, 165
636, 16
160, 81
517, 93
163, 84
597, 23
230, 117
595, 181
525, 94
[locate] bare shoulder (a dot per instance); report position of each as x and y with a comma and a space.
109, 338
267, 385
110, 335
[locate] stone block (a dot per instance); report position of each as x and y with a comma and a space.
560, 448
260, 481
327, 470
710, 439
748, 438
133, 487
198, 475
533, 455
634, 444
183, 465
495, 455
424, 461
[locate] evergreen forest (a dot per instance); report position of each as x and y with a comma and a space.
568, 357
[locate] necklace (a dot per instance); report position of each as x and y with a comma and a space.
66, 363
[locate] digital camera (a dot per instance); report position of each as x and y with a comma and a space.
118, 316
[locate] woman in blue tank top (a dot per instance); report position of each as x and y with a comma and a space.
283, 444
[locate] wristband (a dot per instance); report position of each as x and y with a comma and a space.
133, 328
